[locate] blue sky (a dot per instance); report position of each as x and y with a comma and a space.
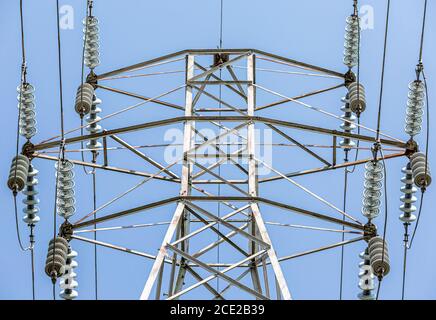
134, 31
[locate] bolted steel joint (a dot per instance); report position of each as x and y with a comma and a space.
92, 79
220, 58
349, 78
66, 230
369, 231
28, 149
411, 147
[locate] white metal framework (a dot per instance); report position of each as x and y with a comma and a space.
244, 219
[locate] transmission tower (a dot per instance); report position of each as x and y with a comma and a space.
232, 219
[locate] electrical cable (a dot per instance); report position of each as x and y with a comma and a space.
23, 80
383, 69
420, 69
94, 190
85, 38
343, 228
406, 235
385, 223
346, 170
61, 155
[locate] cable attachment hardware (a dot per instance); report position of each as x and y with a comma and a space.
31, 201
68, 282
415, 108
66, 230
93, 126
84, 97
372, 189
18, 173
370, 231
366, 278
66, 201
408, 198
379, 256
351, 44
26, 105
357, 98
420, 170
91, 38
56, 258
220, 58
348, 125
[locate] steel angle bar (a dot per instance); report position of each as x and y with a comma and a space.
118, 248
218, 242
141, 64
225, 157
239, 278
235, 78
125, 212
302, 96
313, 194
165, 122
211, 289
218, 232
133, 226
216, 273
225, 84
337, 166
162, 251
143, 156
286, 136
271, 252
274, 204
339, 244
220, 66
207, 226
109, 168
138, 96
298, 63
230, 226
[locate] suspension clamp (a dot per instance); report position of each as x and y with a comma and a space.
369, 231
28, 149
66, 230
349, 78
220, 58
92, 79
411, 147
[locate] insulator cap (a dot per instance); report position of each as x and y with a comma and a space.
408, 199
348, 125
31, 201
56, 257
26, 106
372, 189
357, 97
415, 108
421, 170
84, 97
366, 278
68, 282
18, 173
379, 256
66, 201
92, 46
351, 44
93, 126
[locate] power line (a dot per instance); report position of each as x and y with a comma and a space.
383, 69
419, 70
